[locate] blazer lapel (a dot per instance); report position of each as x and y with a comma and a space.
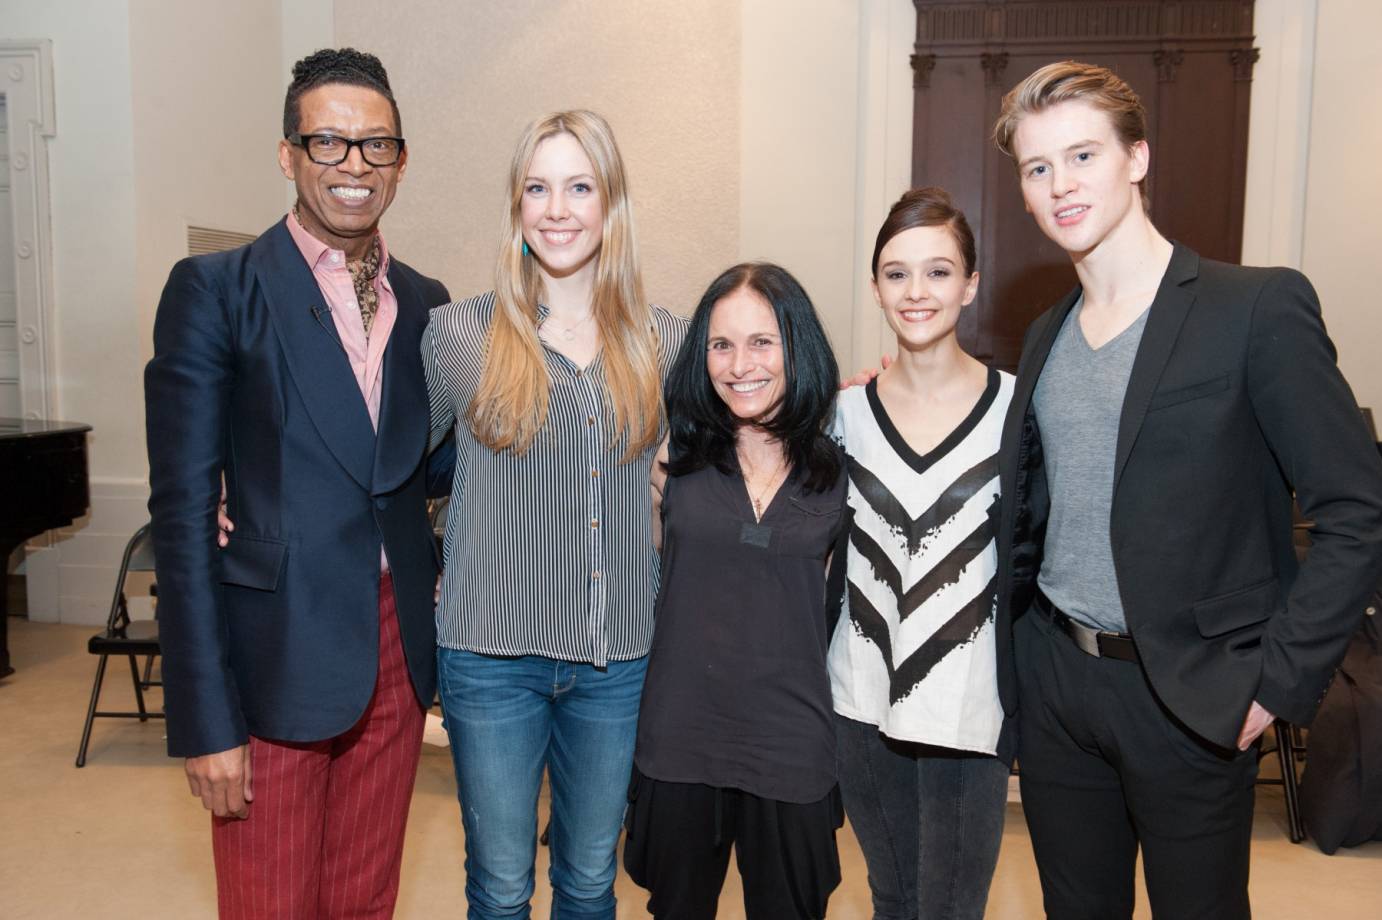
403, 406
1168, 312
316, 360
1029, 371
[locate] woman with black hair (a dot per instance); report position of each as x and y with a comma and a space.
736, 744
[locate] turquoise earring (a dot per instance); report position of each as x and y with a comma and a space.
525, 247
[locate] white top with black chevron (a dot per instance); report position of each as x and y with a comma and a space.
914, 649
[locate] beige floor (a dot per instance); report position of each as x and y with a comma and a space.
121, 838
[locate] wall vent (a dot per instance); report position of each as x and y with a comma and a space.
204, 240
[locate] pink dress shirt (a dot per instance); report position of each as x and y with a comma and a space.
366, 353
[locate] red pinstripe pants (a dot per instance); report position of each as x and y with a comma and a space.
324, 836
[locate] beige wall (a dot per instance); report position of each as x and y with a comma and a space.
799, 159
1343, 197
826, 149
664, 73
207, 116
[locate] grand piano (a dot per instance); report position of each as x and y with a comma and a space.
43, 475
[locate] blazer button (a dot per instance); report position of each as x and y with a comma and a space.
1371, 611
381, 503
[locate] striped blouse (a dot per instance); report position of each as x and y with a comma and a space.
549, 553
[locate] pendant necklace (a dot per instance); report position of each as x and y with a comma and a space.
757, 501
569, 333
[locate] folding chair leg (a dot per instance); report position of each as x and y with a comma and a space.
91, 711
148, 672
138, 690
1286, 756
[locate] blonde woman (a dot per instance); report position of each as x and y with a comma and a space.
552, 383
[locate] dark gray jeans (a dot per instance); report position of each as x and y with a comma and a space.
929, 820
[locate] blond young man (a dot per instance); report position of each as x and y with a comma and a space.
1164, 413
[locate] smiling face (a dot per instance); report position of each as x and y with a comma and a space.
744, 355
1079, 181
922, 286
561, 211
341, 205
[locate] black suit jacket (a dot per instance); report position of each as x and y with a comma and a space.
1234, 400
278, 634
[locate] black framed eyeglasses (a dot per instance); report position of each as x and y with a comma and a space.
331, 150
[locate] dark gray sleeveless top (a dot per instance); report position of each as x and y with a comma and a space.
737, 693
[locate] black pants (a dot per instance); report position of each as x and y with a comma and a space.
1104, 768
680, 834
929, 821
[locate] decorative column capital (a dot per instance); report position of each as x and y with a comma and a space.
1242, 60
922, 65
994, 63
1167, 60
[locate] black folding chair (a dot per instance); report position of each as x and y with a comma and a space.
1290, 744
1290, 753
122, 636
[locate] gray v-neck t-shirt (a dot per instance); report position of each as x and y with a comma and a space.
1078, 402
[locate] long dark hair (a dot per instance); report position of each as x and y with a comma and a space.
702, 426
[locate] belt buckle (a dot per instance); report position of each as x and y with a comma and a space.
1121, 654
1086, 640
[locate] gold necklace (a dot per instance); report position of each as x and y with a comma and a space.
569, 333
757, 500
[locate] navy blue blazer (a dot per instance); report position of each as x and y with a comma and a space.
278, 634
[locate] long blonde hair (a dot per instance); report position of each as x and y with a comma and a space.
510, 405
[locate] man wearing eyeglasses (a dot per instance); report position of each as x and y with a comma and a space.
299, 658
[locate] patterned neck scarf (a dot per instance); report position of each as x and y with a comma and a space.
363, 273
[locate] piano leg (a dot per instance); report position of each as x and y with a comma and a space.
6, 548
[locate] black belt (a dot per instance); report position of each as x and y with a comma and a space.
1097, 642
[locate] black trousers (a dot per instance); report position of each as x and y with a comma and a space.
1106, 768
679, 838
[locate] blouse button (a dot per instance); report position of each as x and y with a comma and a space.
590, 420
594, 523
595, 575
595, 474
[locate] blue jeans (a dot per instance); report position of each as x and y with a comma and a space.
507, 719
929, 820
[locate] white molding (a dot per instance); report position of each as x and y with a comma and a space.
26, 79
1279, 133
887, 30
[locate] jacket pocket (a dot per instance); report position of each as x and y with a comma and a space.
251, 562
1172, 397
1248, 606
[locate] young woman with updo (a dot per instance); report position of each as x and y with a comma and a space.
925, 750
